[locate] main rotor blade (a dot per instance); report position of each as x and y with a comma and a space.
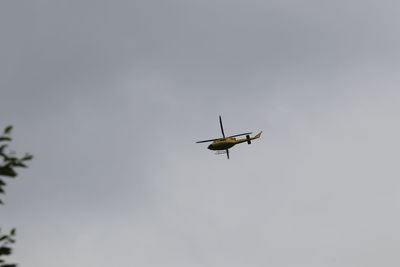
239, 134
222, 128
210, 140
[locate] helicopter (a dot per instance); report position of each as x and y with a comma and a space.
222, 145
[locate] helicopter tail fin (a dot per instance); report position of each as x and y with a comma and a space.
257, 136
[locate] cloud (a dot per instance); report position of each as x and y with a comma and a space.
110, 98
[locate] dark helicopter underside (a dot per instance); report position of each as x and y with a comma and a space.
221, 145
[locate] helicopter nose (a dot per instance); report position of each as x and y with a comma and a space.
210, 147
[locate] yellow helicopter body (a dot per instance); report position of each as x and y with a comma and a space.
223, 144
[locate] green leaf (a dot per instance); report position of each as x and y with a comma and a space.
8, 129
2, 148
27, 157
7, 171
5, 250
13, 231
19, 164
5, 138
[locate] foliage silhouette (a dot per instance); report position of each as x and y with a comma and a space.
9, 162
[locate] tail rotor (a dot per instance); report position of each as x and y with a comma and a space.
248, 139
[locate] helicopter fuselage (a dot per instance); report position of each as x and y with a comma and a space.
224, 143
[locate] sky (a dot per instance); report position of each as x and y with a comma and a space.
111, 96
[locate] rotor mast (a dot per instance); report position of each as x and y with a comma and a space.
222, 128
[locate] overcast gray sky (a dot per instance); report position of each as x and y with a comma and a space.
110, 97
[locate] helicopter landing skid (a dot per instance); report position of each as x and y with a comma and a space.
221, 152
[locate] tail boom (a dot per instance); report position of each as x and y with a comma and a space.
248, 138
